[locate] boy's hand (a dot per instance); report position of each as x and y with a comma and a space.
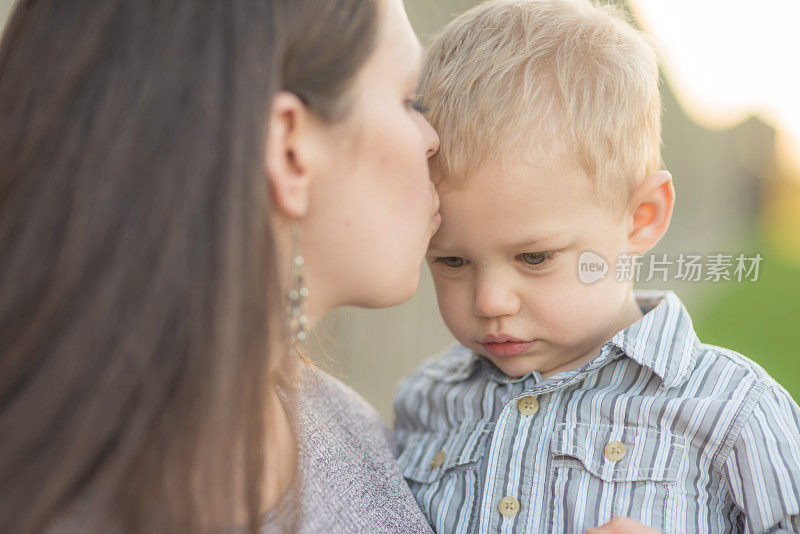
623, 525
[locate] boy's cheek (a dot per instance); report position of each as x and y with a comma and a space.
456, 310
562, 308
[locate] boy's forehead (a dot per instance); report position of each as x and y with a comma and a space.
519, 184
512, 203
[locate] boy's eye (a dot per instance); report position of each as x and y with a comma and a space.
536, 258
452, 262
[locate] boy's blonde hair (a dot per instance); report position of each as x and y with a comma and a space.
545, 77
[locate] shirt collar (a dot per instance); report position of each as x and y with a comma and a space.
663, 340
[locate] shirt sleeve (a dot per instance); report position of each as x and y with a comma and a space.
762, 470
402, 416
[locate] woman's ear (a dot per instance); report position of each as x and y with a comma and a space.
288, 154
652, 204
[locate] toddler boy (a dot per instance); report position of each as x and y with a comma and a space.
569, 401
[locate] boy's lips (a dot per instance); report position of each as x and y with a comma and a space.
505, 345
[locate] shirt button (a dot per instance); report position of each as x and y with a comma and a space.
615, 451
438, 460
528, 405
509, 506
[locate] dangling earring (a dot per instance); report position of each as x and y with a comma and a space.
296, 304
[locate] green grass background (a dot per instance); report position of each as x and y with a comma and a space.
758, 319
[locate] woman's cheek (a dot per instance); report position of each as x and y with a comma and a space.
414, 165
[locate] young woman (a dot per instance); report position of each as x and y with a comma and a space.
185, 187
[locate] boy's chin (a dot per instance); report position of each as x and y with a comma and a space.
514, 366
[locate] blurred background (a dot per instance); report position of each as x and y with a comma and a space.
731, 133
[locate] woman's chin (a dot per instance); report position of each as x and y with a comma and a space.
388, 295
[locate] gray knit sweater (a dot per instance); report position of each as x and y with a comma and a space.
348, 480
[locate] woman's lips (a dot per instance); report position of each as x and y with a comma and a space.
437, 221
508, 348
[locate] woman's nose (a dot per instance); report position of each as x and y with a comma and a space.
431, 139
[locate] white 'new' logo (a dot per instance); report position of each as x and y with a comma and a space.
591, 267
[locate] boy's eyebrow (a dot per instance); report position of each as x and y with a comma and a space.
534, 240
529, 242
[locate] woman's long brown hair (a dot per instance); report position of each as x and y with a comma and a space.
137, 275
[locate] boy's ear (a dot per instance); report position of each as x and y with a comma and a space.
652, 205
288, 154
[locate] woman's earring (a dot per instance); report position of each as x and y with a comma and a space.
296, 304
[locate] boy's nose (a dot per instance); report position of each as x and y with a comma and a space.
495, 301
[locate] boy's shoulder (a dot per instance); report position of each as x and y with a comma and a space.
734, 383
453, 364
714, 360
665, 341
420, 400
739, 361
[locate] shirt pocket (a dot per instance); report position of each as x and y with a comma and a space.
602, 471
442, 470
428, 456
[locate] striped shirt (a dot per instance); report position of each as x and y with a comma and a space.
679, 435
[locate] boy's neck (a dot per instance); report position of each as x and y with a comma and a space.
628, 314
